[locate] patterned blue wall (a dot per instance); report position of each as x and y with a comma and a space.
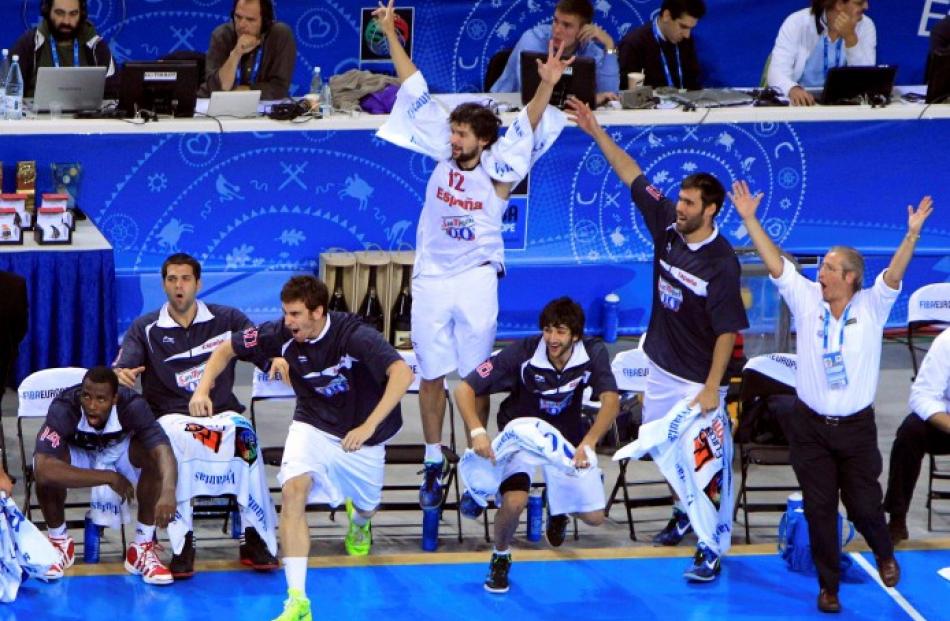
455, 38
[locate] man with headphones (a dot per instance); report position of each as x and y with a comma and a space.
63, 38
251, 52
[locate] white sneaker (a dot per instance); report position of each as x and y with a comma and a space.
66, 548
141, 559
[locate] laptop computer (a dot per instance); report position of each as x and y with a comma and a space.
713, 98
71, 88
847, 85
580, 80
237, 104
938, 85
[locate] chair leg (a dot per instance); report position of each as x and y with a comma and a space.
930, 494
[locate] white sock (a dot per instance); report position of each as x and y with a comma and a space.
433, 453
506, 552
295, 571
144, 533
358, 519
57, 533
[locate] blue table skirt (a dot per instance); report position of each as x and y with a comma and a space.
72, 308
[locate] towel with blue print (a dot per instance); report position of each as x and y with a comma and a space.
24, 551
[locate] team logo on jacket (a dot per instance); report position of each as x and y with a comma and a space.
553, 407
461, 228
671, 297
189, 378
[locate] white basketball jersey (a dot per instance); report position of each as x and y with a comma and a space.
460, 224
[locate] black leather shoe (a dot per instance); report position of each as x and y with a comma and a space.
889, 571
828, 601
183, 565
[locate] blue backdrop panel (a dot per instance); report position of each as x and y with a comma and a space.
454, 39
256, 207
72, 308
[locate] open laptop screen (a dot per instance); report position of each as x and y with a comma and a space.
69, 88
844, 85
580, 80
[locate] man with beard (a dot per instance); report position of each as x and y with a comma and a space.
697, 307
63, 38
460, 253
169, 348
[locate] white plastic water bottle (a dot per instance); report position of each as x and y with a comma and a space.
14, 91
326, 100
316, 82
4, 70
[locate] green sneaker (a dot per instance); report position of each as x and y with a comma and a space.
296, 607
358, 539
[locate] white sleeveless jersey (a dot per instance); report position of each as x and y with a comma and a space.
460, 224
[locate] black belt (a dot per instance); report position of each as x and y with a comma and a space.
834, 421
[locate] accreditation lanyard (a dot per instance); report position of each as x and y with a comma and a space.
54, 47
256, 71
666, 65
833, 361
839, 44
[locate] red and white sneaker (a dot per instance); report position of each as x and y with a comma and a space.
141, 559
66, 548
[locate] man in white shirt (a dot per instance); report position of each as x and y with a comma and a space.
925, 430
460, 253
833, 437
832, 33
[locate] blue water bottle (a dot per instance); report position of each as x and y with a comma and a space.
611, 317
90, 548
237, 528
430, 529
535, 515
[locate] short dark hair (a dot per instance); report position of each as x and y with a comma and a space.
582, 8
820, 6
710, 190
693, 8
180, 258
563, 311
267, 13
102, 375
307, 289
481, 119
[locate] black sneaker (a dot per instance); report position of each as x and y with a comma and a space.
497, 580
183, 565
254, 552
557, 529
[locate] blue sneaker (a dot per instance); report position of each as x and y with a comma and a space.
469, 508
675, 530
430, 494
705, 567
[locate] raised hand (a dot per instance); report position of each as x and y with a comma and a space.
746, 203
915, 219
551, 70
386, 17
593, 31
580, 113
844, 25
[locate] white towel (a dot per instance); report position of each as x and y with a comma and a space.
691, 449
24, 550
536, 441
219, 455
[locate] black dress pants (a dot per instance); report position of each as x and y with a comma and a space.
915, 438
831, 454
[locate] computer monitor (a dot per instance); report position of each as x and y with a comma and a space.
938, 85
846, 84
159, 86
580, 80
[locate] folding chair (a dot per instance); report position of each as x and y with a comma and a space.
631, 369
928, 311
36, 392
763, 378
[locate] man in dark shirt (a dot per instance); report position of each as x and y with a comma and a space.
663, 49
546, 376
251, 52
169, 349
348, 380
63, 38
697, 306
105, 437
